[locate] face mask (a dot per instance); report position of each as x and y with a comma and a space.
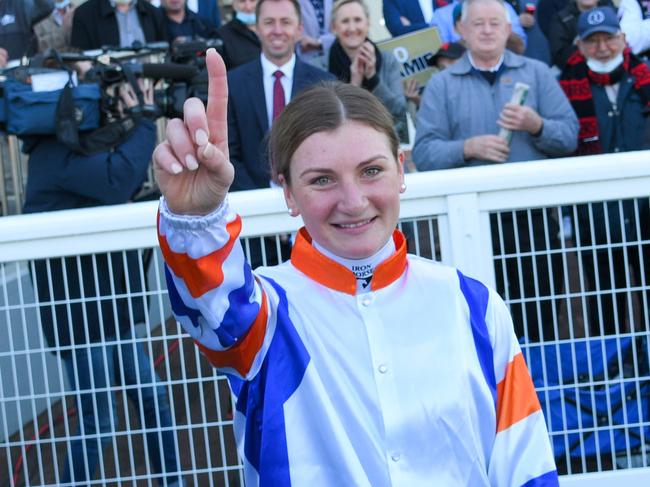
246, 19
603, 67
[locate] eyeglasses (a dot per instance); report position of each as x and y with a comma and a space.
610, 41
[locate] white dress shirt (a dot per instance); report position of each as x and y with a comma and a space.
268, 68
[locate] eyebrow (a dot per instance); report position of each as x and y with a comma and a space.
326, 170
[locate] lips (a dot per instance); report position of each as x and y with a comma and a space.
355, 224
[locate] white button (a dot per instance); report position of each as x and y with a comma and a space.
395, 457
610, 113
366, 301
383, 369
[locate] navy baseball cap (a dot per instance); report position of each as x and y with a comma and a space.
599, 19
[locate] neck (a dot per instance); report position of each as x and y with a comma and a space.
278, 61
485, 62
351, 51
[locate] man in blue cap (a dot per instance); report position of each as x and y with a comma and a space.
607, 85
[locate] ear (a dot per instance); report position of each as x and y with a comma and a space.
581, 48
288, 196
401, 157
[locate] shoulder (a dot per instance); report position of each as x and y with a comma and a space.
89, 7
389, 60
243, 71
307, 70
526, 64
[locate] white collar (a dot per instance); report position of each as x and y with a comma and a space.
493, 69
363, 269
268, 68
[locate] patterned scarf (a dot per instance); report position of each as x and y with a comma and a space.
576, 82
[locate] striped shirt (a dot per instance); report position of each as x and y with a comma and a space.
418, 382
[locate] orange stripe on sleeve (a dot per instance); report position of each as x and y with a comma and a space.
516, 396
205, 273
240, 357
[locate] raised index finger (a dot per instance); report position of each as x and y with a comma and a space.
217, 108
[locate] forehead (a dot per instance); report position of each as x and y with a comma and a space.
350, 9
278, 9
346, 146
486, 10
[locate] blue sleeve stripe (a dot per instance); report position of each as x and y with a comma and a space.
477, 296
178, 306
262, 399
241, 312
549, 479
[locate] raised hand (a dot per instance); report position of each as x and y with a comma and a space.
192, 165
369, 58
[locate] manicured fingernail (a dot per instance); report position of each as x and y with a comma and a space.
191, 162
208, 151
201, 137
176, 168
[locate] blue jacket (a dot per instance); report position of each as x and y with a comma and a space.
87, 309
394, 9
626, 127
209, 10
248, 121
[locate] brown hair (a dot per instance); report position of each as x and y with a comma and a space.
323, 108
339, 3
258, 7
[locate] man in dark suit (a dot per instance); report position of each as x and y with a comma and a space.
255, 89
100, 23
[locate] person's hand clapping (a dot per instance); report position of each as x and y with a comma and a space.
356, 71
369, 59
192, 165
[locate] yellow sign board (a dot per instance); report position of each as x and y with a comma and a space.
413, 51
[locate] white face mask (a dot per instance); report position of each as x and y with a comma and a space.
604, 67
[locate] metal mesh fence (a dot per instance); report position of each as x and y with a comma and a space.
575, 278
577, 281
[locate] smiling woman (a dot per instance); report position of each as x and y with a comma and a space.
354, 363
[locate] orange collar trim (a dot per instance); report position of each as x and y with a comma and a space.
333, 275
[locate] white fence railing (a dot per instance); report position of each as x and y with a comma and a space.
574, 270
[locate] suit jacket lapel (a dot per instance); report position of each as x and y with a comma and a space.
255, 82
299, 79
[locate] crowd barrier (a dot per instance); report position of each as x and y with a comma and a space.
566, 242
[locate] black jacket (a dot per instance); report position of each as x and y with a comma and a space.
563, 30
18, 17
240, 44
94, 24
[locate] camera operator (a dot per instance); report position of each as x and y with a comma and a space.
182, 24
120, 23
18, 18
87, 304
